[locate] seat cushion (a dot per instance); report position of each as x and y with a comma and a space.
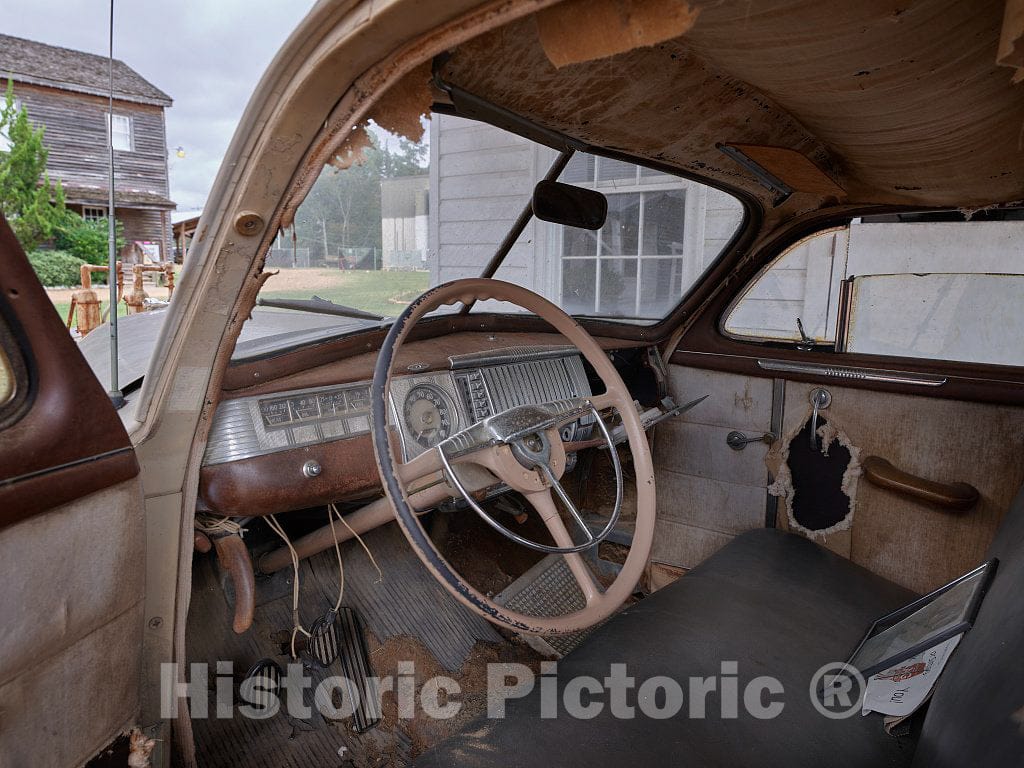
773, 602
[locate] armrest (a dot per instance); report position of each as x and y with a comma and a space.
957, 496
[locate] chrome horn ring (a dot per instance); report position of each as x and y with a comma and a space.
538, 458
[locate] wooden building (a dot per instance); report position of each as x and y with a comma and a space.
66, 91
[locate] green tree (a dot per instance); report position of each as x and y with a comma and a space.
343, 208
34, 210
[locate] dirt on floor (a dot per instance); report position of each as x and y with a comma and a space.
423, 730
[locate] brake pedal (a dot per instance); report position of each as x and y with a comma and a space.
323, 643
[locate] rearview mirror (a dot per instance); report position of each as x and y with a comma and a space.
572, 206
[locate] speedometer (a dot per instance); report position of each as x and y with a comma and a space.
428, 415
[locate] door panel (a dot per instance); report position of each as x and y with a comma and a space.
708, 492
70, 639
72, 541
904, 540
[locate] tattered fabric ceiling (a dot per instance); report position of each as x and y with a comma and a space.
895, 102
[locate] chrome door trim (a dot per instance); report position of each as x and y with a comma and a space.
856, 374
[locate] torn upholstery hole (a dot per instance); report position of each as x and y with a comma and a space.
818, 485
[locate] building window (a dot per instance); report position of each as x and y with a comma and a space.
121, 135
93, 212
633, 266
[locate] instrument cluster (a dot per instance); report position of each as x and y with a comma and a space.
425, 408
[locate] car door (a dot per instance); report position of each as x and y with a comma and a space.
72, 539
911, 326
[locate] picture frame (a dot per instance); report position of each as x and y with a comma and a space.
947, 611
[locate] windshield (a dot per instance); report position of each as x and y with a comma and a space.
398, 216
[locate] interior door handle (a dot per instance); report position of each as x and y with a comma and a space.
957, 496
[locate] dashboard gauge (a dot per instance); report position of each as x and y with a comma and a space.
332, 403
275, 412
428, 415
358, 399
305, 408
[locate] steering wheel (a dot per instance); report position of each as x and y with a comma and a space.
521, 447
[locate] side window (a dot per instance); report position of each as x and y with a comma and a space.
799, 289
931, 286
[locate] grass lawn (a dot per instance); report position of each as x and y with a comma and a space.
62, 308
385, 293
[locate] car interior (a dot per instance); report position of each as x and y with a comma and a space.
719, 361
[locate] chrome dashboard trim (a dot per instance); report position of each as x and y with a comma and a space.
856, 374
238, 430
518, 354
524, 376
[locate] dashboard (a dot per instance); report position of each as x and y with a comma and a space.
286, 450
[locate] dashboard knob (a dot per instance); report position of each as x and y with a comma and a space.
312, 468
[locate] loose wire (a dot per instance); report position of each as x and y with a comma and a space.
296, 623
331, 512
373, 560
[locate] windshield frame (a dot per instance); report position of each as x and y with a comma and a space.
643, 330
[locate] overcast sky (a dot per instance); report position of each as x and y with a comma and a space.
207, 54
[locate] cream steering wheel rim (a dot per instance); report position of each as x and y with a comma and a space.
398, 476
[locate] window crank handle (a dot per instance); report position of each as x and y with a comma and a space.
738, 441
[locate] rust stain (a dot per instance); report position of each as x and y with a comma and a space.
746, 402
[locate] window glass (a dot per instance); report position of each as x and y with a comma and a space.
931, 286
975, 318
651, 215
398, 216
120, 132
799, 285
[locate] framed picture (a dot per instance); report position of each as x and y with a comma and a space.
926, 622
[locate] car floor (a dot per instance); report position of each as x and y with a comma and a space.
407, 616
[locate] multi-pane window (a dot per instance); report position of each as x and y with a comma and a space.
120, 128
652, 247
93, 212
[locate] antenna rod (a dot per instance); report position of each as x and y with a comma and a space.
115, 391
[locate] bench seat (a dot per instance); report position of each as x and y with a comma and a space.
774, 602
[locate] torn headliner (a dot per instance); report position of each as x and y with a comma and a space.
898, 102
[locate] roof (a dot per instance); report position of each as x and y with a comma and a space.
129, 198
185, 226
888, 103
27, 61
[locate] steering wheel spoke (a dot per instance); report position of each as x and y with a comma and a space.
545, 506
607, 400
422, 466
